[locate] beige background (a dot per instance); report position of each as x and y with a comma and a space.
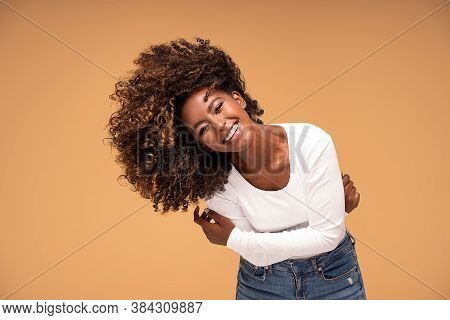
69, 230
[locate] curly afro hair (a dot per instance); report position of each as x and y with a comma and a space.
161, 160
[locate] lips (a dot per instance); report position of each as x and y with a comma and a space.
228, 131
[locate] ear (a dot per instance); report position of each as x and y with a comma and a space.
239, 99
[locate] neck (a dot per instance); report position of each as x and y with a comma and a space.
259, 153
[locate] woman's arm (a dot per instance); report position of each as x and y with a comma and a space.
228, 207
326, 217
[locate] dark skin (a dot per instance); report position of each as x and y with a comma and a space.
259, 152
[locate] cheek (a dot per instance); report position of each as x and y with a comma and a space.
206, 143
212, 144
237, 110
210, 138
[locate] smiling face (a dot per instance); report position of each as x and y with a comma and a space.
213, 122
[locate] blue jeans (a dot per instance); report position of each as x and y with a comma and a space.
332, 275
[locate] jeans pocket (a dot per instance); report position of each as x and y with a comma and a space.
343, 267
252, 271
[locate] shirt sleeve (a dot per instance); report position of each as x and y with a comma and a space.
325, 196
227, 205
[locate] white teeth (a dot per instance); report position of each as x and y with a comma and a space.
232, 131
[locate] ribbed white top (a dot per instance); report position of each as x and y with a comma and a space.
303, 219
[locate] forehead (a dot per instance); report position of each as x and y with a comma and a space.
198, 96
195, 105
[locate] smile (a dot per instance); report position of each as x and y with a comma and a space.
232, 132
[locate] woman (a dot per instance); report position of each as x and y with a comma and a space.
187, 130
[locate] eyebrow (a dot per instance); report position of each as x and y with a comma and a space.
209, 110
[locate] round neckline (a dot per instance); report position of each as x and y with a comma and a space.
291, 167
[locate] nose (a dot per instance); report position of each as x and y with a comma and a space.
219, 123
220, 126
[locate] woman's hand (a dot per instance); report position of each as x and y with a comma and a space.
218, 232
352, 196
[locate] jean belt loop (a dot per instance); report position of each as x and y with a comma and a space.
351, 237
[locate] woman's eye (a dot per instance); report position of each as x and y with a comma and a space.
201, 130
216, 110
218, 107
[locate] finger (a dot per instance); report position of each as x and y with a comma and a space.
352, 190
217, 217
196, 216
345, 179
355, 197
349, 186
205, 216
358, 197
349, 194
197, 208
351, 197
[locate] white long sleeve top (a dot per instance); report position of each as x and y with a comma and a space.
303, 219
